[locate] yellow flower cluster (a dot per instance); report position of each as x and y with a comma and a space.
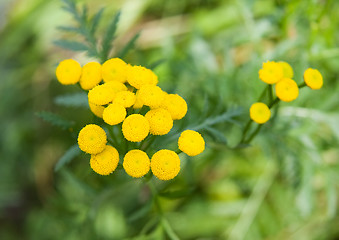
286, 89
128, 96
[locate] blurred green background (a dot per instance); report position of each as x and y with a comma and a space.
285, 186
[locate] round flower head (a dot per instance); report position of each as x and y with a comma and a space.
138, 103
114, 69
151, 95
191, 143
96, 110
125, 98
91, 75
287, 90
271, 72
160, 121
114, 114
135, 128
116, 86
105, 162
313, 78
165, 164
260, 113
287, 69
68, 72
136, 163
139, 76
176, 106
92, 139
104, 93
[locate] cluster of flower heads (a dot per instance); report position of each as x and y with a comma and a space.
116, 93
286, 89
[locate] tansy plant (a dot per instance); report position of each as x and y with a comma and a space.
127, 97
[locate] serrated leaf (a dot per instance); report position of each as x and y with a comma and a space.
71, 45
129, 45
216, 135
72, 100
109, 36
69, 155
55, 120
96, 19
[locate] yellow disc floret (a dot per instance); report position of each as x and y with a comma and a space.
176, 105
139, 76
313, 78
96, 109
105, 162
92, 139
125, 98
287, 69
136, 163
138, 103
114, 114
271, 72
151, 95
135, 128
105, 93
287, 90
260, 113
68, 72
90, 76
114, 69
191, 143
160, 121
165, 164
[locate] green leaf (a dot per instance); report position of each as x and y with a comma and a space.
109, 36
69, 155
129, 45
157, 63
72, 100
69, 29
55, 120
216, 135
71, 45
96, 19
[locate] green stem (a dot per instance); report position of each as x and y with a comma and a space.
247, 127
263, 93
146, 144
178, 151
302, 85
257, 130
114, 140
270, 93
276, 100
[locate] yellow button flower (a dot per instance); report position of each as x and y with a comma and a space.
287, 69
136, 163
165, 164
96, 109
191, 143
151, 95
260, 113
135, 128
92, 139
271, 72
114, 69
91, 75
176, 105
139, 76
313, 78
114, 114
116, 86
68, 72
287, 90
138, 103
105, 162
105, 93
125, 98
160, 121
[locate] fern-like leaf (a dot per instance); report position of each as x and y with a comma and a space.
109, 37
72, 100
55, 120
69, 155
